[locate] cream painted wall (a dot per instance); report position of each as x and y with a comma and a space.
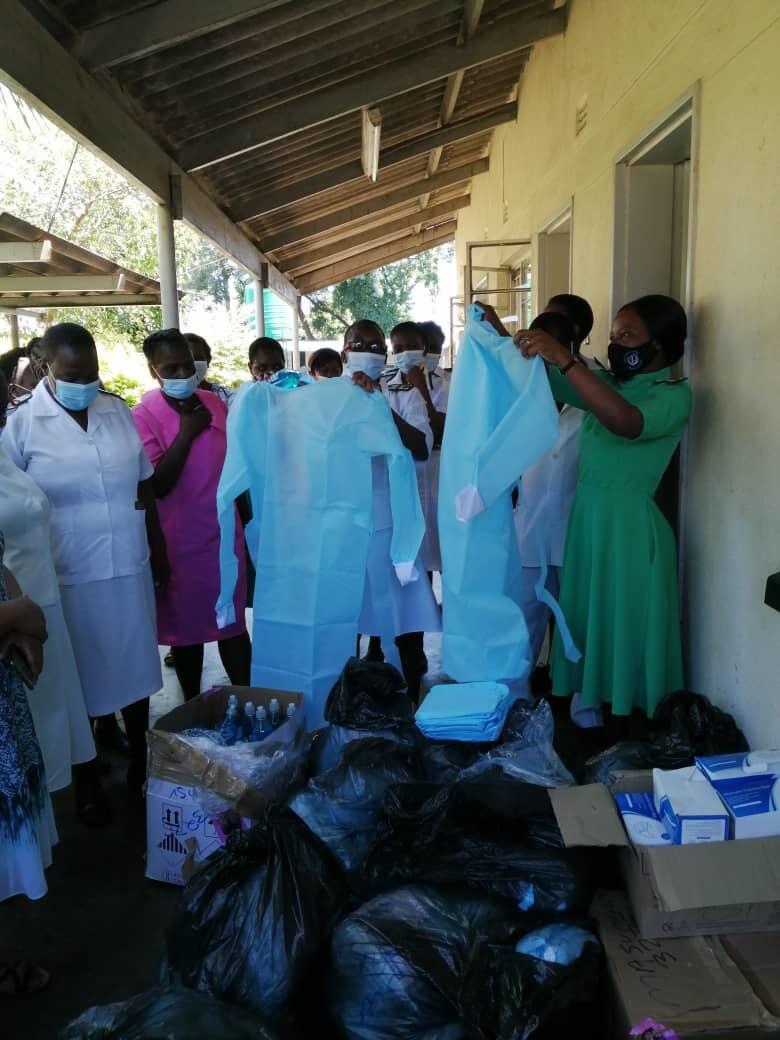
632, 60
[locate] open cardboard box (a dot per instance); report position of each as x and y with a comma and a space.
179, 833
679, 890
698, 986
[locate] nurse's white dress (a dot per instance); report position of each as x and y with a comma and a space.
389, 608
99, 543
57, 701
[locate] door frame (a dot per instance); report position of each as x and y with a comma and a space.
548, 228
687, 106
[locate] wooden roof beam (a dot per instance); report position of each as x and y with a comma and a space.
25, 252
46, 283
263, 202
297, 263
152, 28
65, 299
348, 214
472, 12
503, 37
379, 257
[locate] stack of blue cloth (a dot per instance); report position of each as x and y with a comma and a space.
465, 711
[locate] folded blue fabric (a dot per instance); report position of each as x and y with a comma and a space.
465, 711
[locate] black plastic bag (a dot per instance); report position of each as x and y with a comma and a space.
489, 832
368, 699
685, 725
396, 964
345, 806
253, 918
690, 718
510, 996
168, 1013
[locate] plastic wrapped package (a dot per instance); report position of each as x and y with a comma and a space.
344, 806
558, 943
275, 766
368, 699
396, 963
251, 921
526, 749
168, 1013
481, 832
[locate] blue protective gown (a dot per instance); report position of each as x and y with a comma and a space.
501, 418
305, 457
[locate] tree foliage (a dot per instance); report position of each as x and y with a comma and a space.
384, 295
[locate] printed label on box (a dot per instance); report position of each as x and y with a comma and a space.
176, 828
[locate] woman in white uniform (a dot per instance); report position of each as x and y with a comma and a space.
57, 702
389, 608
81, 447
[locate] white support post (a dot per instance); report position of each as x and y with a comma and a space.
295, 332
13, 321
259, 308
166, 252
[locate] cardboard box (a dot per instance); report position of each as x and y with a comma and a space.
179, 833
679, 890
689, 806
758, 958
691, 985
749, 787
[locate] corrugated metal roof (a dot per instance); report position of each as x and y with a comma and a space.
244, 66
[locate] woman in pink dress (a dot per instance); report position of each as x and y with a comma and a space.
183, 431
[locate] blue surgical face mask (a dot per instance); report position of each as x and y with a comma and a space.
366, 362
180, 389
76, 397
431, 362
408, 359
201, 368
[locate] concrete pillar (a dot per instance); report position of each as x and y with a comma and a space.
13, 322
166, 252
259, 308
295, 333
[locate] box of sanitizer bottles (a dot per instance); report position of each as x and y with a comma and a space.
749, 786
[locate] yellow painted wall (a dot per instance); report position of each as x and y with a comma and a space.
633, 59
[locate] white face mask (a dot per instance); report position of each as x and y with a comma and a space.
371, 365
201, 368
408, 359
431, 362
180, 389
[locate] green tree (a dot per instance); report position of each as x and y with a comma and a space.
383, 295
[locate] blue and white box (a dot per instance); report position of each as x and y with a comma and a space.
643, 824
749, 786
689, 806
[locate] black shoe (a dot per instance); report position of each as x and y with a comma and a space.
110, 736
168, 660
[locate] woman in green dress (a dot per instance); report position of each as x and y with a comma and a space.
619, 578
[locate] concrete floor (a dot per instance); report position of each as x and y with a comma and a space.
100, 930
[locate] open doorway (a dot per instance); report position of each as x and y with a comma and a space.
554, 258
654, 209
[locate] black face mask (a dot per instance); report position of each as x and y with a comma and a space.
625, 362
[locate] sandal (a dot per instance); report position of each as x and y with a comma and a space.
22, 979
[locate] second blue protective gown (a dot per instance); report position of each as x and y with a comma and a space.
305, 457
501, 418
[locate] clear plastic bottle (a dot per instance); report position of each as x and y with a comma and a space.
260, 728
229, 728
274, 715
248, 722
